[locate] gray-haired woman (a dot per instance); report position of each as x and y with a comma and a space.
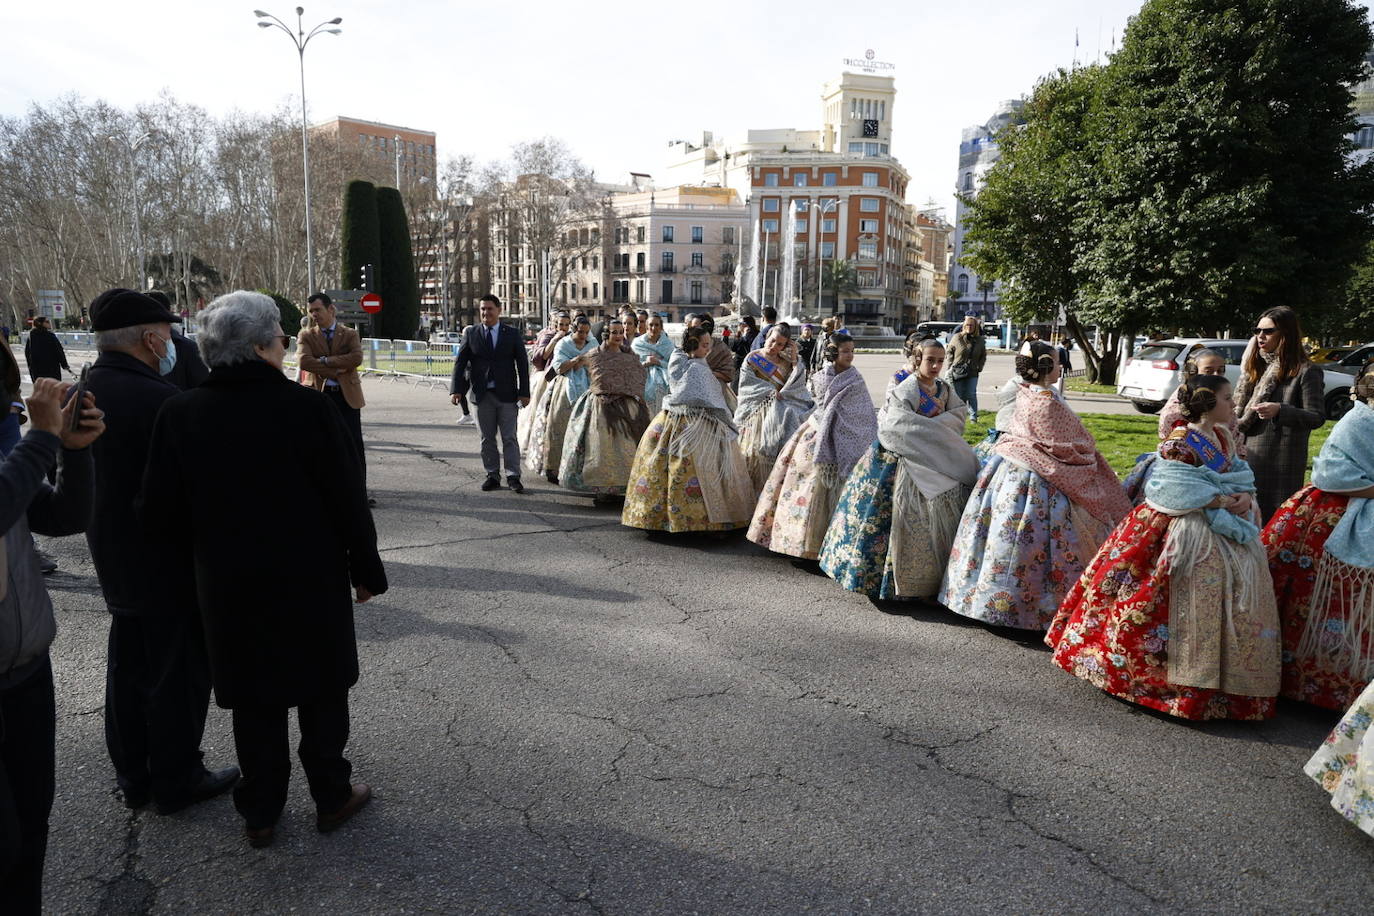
281, 637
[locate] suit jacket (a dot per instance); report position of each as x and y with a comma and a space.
503, 372
345, 355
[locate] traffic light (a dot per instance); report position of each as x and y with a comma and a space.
366, 277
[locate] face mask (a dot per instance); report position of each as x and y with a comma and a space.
167, 362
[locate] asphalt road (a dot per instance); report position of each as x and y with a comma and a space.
562, 715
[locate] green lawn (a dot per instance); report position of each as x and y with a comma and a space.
1124, 437
1083, 386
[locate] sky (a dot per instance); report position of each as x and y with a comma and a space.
617, 81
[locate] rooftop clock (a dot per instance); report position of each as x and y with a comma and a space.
870, 127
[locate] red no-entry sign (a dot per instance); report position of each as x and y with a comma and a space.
371, 303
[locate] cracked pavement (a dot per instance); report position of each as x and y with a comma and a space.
562, 715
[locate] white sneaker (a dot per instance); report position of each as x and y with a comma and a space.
466, 420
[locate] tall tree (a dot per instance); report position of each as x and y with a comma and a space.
400, 315
1030, 221
1226, 185
360, 232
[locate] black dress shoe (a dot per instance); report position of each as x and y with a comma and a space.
515, 484
210, 784
136, 798
491, 483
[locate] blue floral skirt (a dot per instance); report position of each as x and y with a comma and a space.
854, 552
1019, 550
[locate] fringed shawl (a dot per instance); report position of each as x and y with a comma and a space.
1345, 574
540, 343
721, 360
1346, 464
1178, 488
577, 379
692, 386
845, 422
933, 451
788, 410
656, 379
1046, 437
761, 379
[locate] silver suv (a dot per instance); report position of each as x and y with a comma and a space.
1155, 371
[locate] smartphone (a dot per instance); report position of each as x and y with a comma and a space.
79, 395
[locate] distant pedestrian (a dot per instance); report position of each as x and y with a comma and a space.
283, 636
806, 347
1065, 363
493, 364
27, 626
332, 352
157, 682
968, 354
188, 369
44, 352
770, 318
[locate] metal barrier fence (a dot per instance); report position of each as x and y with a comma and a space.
413, 360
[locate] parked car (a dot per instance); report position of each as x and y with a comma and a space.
1151, 376
1323, 355
446, 337
1339, 377
1155, 371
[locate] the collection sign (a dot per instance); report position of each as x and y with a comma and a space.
867, 64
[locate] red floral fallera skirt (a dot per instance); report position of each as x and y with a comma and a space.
1294, 540
1113, 628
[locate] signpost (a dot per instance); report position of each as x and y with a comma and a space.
52, 304
371, 303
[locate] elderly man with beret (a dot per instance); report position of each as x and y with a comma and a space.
157, 682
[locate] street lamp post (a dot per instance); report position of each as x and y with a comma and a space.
300, 38
130, 149
834, 204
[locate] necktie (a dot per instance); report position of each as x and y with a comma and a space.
491, 339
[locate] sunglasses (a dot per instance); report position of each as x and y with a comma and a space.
1264, 332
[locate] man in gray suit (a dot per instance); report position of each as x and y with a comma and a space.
492, 362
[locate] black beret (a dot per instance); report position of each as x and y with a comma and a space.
124, 308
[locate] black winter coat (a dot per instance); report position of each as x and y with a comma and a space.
134, 575
476, 365
44, 354
227, 459
190, 369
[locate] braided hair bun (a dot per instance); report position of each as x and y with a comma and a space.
1035, 360
1198, 395
837, 340
1363, 389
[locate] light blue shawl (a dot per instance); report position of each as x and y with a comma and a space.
1346, 463
656, 384
578, 380
1178, 488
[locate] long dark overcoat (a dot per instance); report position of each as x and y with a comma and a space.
252, 479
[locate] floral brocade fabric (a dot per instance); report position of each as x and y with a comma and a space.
855, 551
664, 492
794, 511
1113, 628
1294, 539
1018, 550
1342, 765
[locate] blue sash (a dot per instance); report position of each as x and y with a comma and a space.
929, 407
1206, 451
764, 366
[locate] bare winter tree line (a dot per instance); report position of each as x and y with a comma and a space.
220, 205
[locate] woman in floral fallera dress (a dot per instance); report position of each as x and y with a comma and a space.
688, 473
899, 509
1344, 764
794, 512
1041, 507
773, 402
607, 421
1176, 612
1321, 553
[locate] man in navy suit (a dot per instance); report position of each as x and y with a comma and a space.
492, 363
